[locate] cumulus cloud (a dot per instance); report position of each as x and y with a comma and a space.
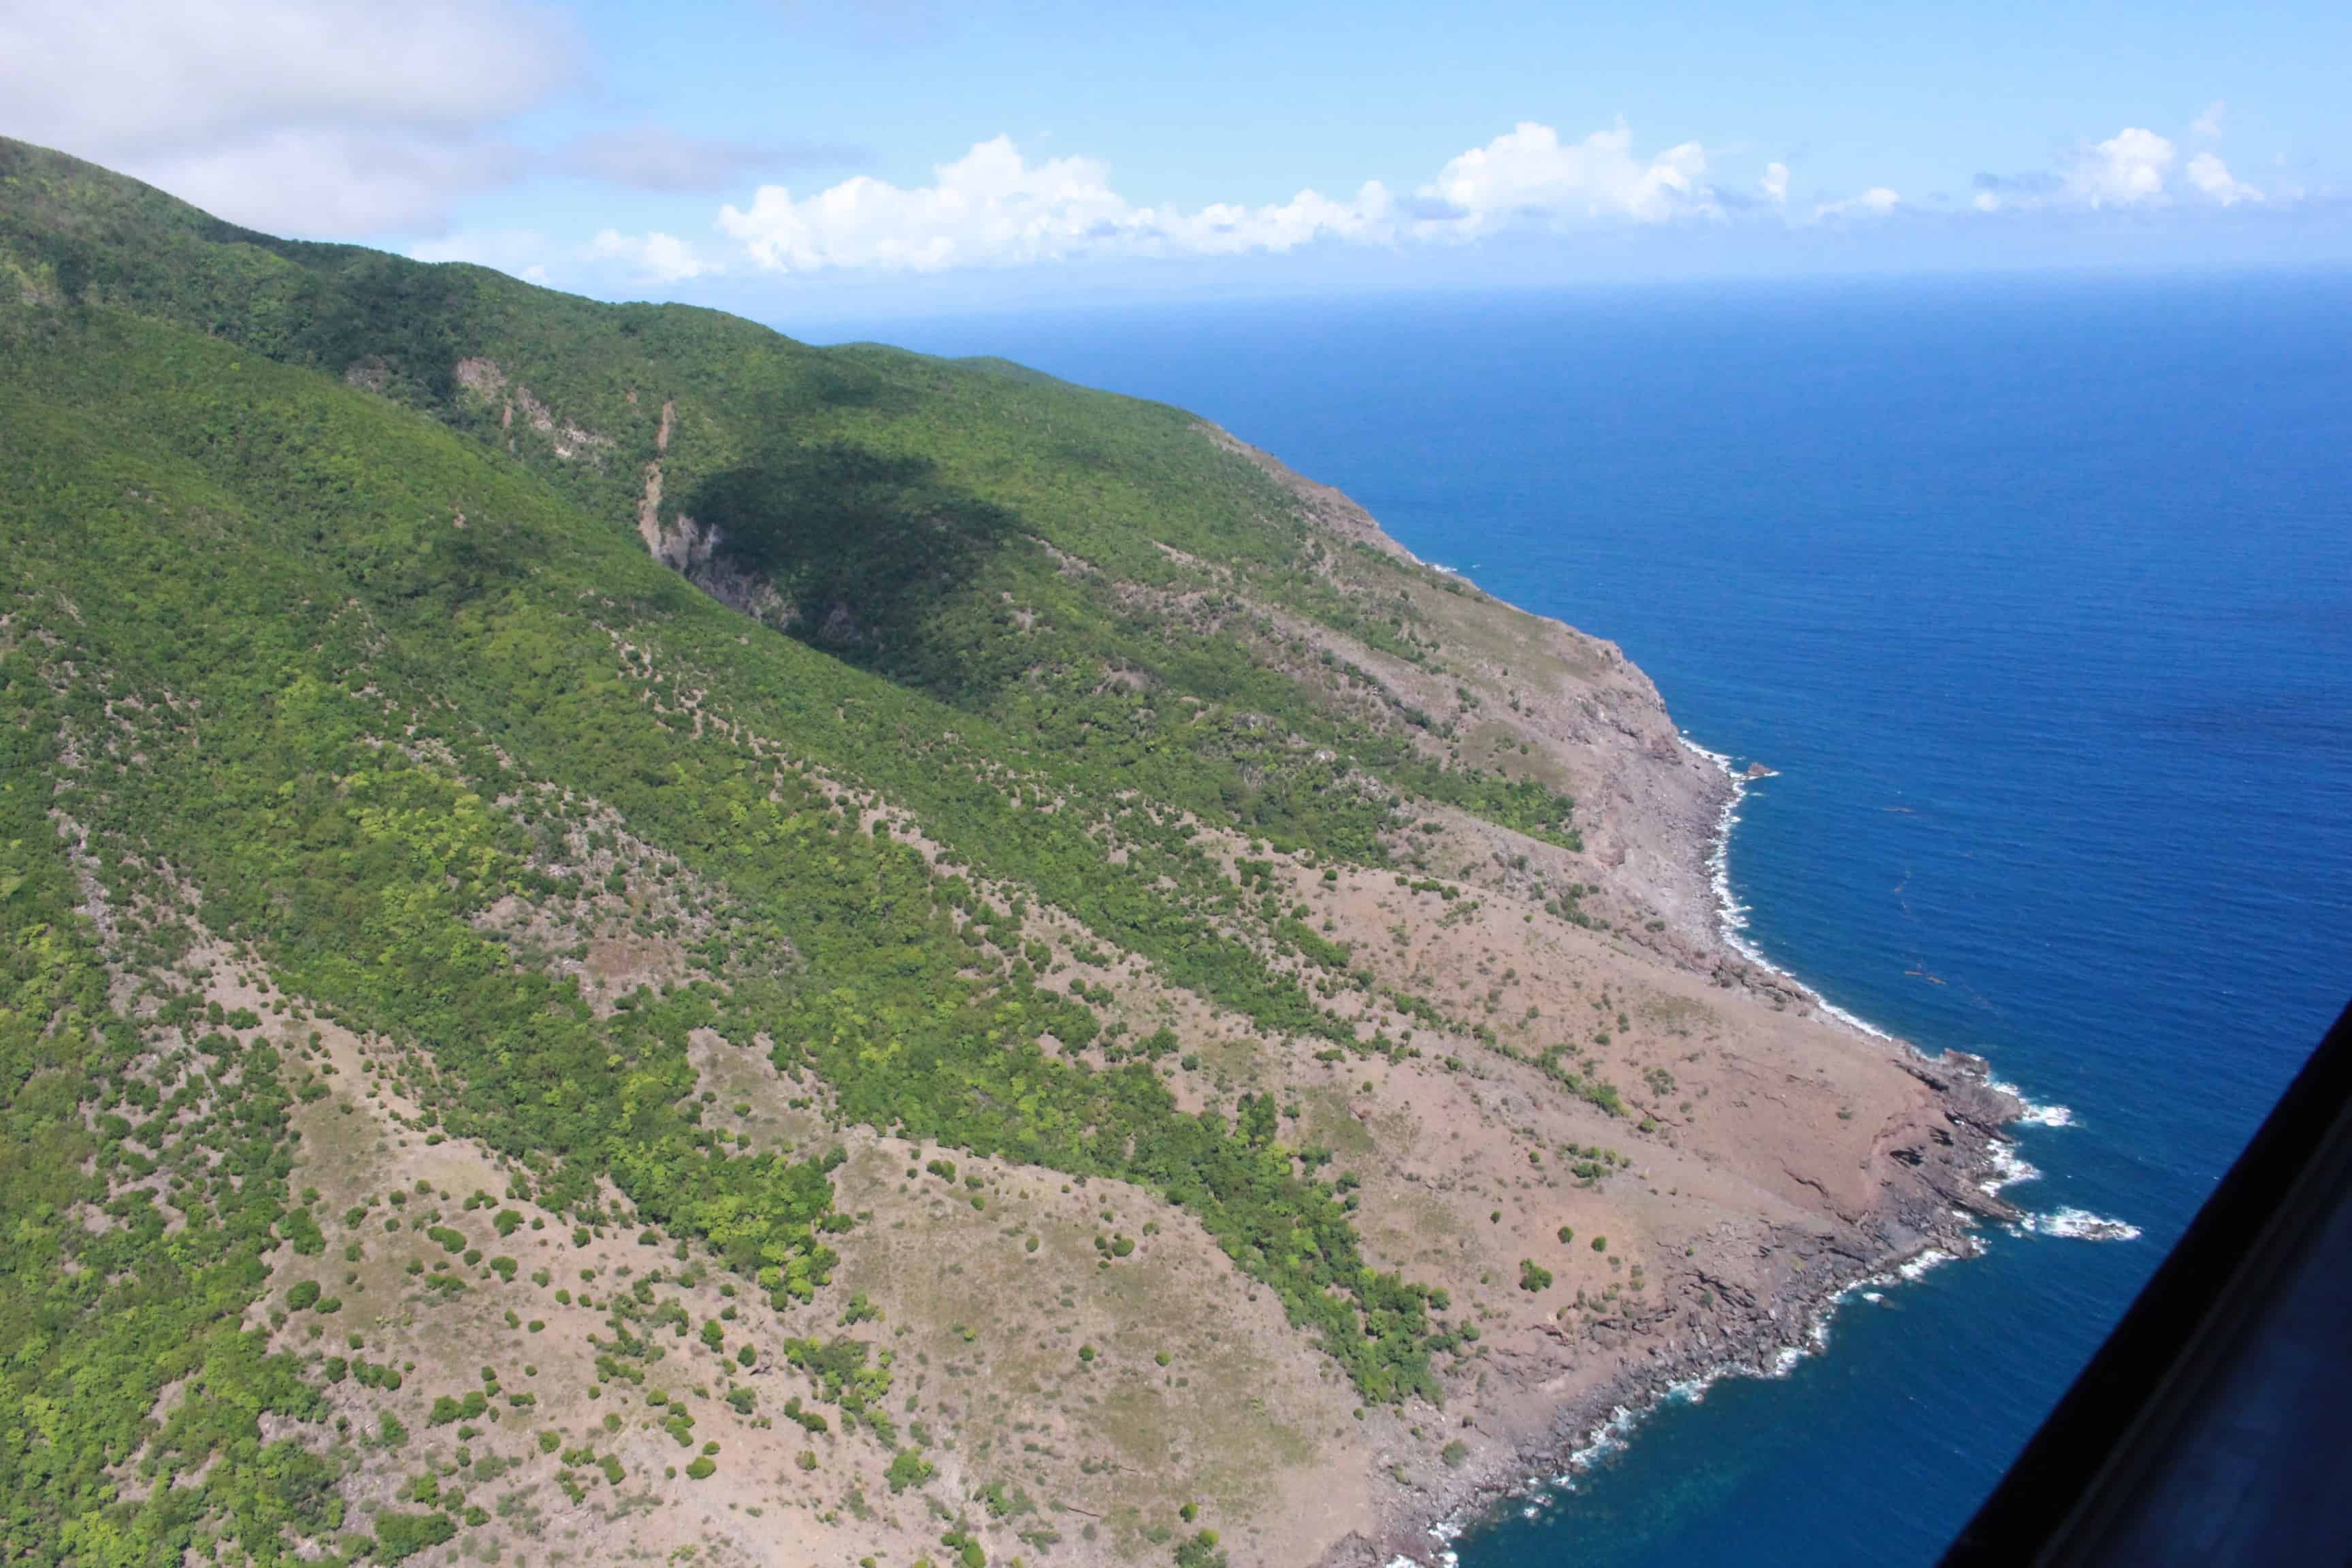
2127, 169
2212, 179
2135, 168
1875, 201
651, 257
1529, 175
992, 207
310, 116
1775, 184
2208, 125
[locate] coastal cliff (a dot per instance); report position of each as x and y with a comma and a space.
1743, 1280
628, 935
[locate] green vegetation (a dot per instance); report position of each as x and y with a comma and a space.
1199, 1550
400, 1536
908, 1469
328, 640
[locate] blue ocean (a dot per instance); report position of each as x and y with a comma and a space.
2037, 596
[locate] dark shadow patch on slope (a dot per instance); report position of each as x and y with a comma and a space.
876, 560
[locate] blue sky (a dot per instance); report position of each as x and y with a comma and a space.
799, 162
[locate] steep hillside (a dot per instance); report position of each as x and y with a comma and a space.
623, 934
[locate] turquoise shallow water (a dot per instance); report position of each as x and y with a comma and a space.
2038, 595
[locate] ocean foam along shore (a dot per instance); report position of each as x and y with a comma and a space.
1613, 1419
2009, 1168
1731, 920
1731, 915
1617, 1429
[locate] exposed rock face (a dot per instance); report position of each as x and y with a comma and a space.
693, 549
484, 379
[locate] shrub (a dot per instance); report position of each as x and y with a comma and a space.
907, 1468
400, 1536
1199, 1552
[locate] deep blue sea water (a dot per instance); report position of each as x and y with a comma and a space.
2038, 595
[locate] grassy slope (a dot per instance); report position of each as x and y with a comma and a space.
252, 653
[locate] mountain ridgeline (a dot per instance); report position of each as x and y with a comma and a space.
530, 823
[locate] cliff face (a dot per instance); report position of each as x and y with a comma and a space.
810, 953
1650, 805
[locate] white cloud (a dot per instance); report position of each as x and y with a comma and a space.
1875, 201
1224, 229
992, 208
653, 258
1529, 175
2127, 169
313, 116
375, 117
2212, 179
2133, 168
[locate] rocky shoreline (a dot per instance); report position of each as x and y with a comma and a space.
1755, 1336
